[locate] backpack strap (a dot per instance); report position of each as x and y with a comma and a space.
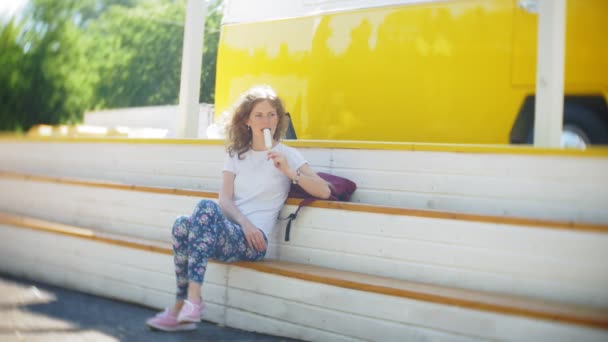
293, 215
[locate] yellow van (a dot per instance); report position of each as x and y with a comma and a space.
460, 71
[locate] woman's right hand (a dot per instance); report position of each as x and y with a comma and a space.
254, 236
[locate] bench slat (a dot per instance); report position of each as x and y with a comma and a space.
570, 225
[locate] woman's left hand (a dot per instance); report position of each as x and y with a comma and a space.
254, 236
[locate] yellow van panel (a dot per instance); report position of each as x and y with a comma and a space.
436, 71
586, 68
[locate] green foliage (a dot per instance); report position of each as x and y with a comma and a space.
69, 56
139, 54
13, 81
45, 73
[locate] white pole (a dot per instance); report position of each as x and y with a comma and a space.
549, 107
192, 54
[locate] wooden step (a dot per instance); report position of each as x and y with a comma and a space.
350, 206
512, 181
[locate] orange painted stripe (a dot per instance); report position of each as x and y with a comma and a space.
349, 206
109, 185
509, 305
83, 233
516, 221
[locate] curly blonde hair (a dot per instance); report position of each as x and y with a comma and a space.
239, 135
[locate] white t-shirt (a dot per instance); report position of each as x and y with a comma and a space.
260, 189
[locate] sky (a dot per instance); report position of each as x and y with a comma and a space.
10, 7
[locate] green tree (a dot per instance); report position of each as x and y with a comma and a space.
53, 83
14, 83
138, 53
65, 57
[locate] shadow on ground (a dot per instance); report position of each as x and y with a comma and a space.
32, 311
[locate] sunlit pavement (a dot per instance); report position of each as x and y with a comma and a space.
31, 311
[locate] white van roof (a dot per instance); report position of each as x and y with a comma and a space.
239, 11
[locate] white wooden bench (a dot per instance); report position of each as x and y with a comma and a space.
287, 299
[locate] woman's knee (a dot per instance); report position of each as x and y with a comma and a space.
181, 226
208, 207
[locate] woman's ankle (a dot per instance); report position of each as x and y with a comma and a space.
194, 293
195, 300
177, 307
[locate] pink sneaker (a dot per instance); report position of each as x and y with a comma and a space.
166, 321
191, 312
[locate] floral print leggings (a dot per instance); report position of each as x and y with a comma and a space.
207, 233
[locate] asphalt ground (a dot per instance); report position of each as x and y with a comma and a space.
33, 311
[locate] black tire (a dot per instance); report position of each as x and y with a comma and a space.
584, 120
588, 122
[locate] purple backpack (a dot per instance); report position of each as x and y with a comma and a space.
341, 190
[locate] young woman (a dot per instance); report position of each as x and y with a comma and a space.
255, 184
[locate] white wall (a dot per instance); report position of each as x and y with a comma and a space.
160, 117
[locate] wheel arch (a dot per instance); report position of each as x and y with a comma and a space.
524, 123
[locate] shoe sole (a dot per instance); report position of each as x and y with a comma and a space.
180, 327
191, 320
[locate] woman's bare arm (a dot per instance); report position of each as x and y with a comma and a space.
253, 235
311, 182
307, 179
